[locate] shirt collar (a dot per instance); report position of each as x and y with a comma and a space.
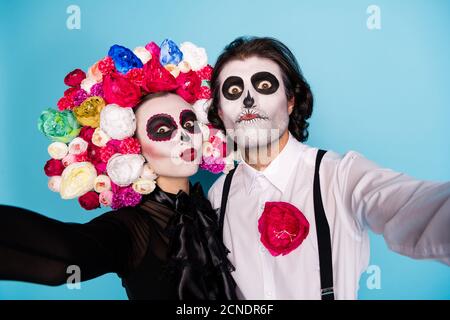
279, 170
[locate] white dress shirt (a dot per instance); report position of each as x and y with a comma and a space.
412, 215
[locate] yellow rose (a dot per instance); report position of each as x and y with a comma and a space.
88, 113
77, 179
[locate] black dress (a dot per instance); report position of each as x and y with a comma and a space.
165, 248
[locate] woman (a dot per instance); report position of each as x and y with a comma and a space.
162, 239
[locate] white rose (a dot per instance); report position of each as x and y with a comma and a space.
173, 69
58, 150
144, 186
87, 84
102, 183
125, 169
195, 56
143, 54
77, 179
99, 138
54, 183
184, 66
229, 164
201, 110
205, 131
208, 149
117, 122
77, 146
148, 173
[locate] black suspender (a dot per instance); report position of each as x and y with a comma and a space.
323, 230
323, 237
223, 204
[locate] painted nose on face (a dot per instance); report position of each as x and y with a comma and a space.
248, 101
184, 137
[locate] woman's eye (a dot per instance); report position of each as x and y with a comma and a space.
163, 129
234, 90
264, 85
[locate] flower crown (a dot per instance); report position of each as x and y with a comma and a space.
94, 154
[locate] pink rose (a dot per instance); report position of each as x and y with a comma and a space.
105, 198
53, 167
89, 200
283, 227
69, 159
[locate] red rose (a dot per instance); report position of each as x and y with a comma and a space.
74, 78
106, 65
189, 84
130, 146
106, 153
283, 227
86, 133
93, 153
53, 167
70, 92
89, 201
205, 73
136, 76
154, 50
204, 92
65, 103
118, 89
157, 78
100, 167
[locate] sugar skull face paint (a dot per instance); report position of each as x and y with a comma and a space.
253, 101
169, 135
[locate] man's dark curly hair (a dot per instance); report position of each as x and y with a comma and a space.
294, 82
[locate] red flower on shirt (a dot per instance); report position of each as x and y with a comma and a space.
283, 227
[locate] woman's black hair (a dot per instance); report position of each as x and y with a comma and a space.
294, 82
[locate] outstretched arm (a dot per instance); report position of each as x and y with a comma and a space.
35, 248
412, 215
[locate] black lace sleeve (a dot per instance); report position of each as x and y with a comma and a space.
35, 248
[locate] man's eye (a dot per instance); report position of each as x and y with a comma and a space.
233, 90
264, 85
189, 124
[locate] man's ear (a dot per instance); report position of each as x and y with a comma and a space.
291, 104
220, 112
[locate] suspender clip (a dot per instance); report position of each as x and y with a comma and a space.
327, 291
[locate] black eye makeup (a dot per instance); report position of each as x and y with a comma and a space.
265, 82
188, 120
232, 88
160, 127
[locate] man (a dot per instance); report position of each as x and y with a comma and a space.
296, 219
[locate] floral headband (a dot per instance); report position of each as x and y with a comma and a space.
94, 154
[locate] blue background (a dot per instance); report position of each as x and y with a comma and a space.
384, 93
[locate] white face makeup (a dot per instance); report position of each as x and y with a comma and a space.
253, 101
169, 135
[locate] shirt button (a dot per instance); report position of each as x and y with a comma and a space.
262, 206
268, 294
261, 249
